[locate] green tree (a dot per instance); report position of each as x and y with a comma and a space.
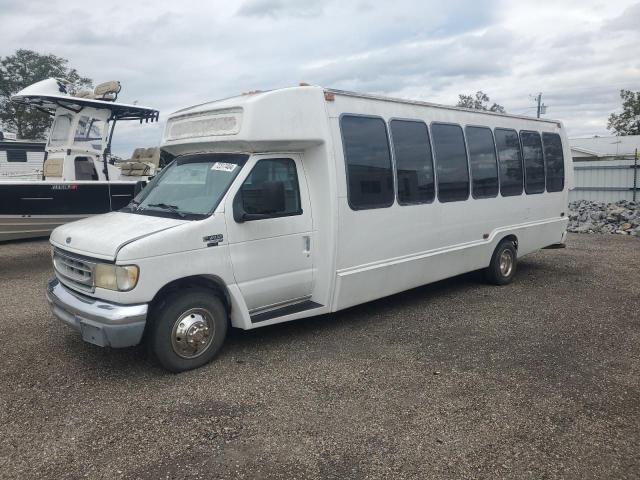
627, 122
479, 101
22, 69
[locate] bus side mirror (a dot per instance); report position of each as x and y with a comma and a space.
238, 209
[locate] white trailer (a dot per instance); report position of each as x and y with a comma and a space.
21, 159
302, 201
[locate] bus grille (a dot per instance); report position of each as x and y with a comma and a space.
74, 271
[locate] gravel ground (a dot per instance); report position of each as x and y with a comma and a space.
538, 379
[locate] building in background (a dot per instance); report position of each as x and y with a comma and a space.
605, 168
20, 159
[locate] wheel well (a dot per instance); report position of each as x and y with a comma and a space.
197, 281
511, 238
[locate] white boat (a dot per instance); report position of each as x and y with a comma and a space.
79, 177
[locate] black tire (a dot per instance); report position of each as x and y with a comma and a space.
500, 271
188, 312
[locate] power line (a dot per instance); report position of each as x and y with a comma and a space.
522, 110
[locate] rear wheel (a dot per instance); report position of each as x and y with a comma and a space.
503, 264
188, 330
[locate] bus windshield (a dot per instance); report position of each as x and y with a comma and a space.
190, 187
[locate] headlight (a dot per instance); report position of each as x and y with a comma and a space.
116, 277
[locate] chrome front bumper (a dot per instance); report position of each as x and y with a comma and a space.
101, 323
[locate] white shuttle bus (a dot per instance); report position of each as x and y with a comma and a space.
302, 201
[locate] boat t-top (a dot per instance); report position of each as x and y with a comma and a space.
80, 178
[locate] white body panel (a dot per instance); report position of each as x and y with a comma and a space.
418, 244
331, 255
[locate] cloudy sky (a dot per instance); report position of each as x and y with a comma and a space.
578, 53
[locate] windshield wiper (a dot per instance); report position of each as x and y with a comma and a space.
171, 208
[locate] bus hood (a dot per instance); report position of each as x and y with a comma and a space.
102, 236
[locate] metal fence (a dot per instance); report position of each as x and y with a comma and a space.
606, 180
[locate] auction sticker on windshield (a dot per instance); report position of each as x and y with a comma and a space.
225, 167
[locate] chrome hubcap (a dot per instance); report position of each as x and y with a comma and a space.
192, 333
506, 263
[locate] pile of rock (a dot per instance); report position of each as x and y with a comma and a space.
622, 217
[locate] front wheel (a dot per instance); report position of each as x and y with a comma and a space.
503, 264
188, 330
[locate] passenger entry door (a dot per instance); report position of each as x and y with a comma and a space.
270, 239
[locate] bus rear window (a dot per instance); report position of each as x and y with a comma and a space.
554, 161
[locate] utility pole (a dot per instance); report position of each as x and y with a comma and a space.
542, 108
539, 99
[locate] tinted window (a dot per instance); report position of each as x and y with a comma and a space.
16, 155
554, 161
85, 170
414, 166
482, 158
510, 159
533, 162
272, 176
451, 162
368, 162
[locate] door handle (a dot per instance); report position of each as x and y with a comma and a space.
307, 244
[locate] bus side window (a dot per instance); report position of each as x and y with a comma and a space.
451, 162
533, 162
368, 162
414, 162
554, 161
484, 165
268, 171
510, 157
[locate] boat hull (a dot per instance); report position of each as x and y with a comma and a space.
34, 209
17, 227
